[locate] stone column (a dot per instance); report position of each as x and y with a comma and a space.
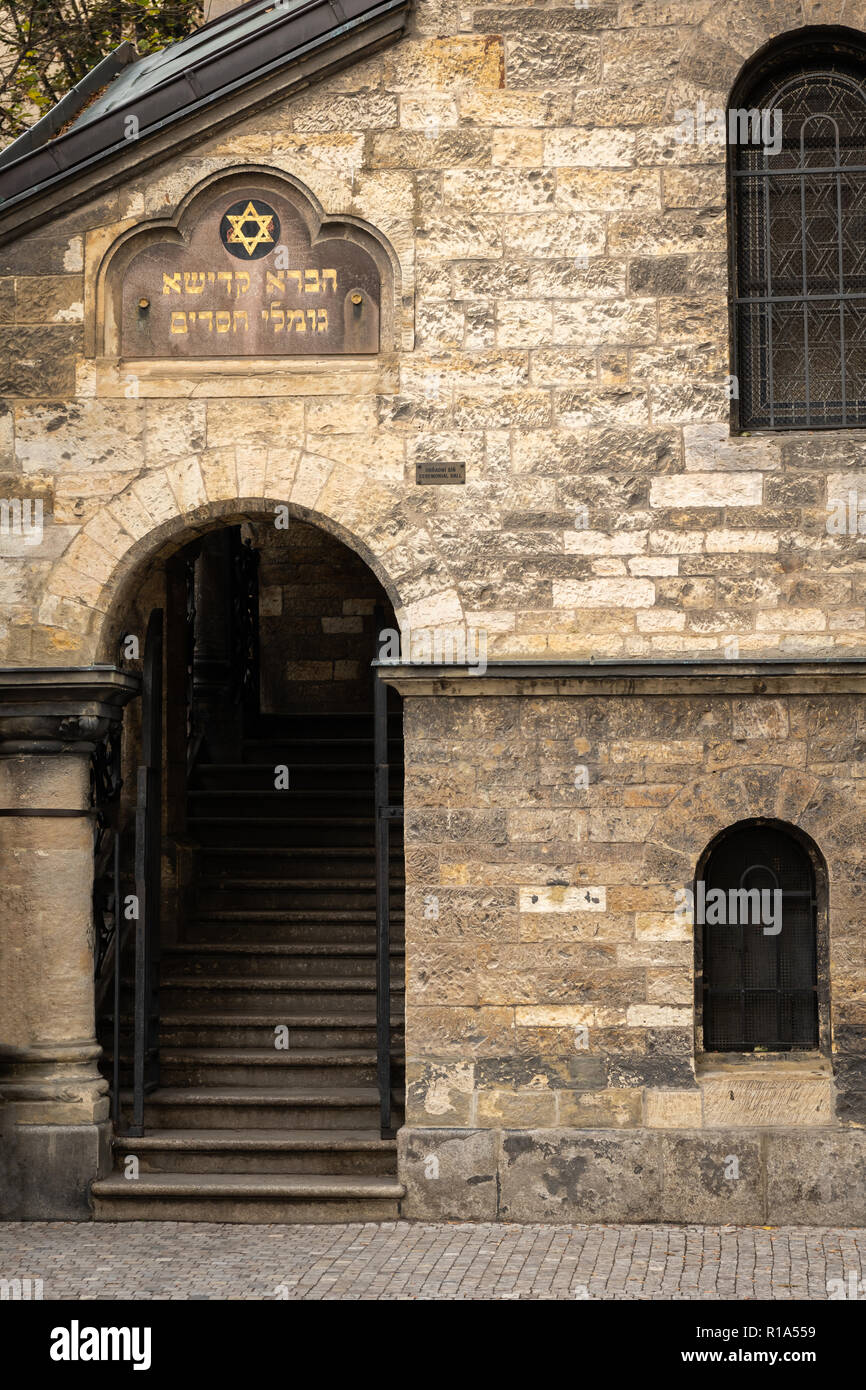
54, 1101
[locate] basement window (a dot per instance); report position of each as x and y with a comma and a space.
756, 924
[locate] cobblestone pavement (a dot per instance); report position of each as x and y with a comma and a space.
402, 1260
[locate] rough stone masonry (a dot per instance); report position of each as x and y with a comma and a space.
557, 266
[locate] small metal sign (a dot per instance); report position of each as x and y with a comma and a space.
250, 282
439, 471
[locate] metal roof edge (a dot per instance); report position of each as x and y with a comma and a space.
70, 104
64, 162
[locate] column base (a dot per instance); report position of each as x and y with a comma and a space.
51, 1083
46, 1170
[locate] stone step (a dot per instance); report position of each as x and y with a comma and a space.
305, 1030
267, 801
282, 926
227, 878
315, 724
261, 1107
272, 984
307, 1067
247, 1197
228, 992
299, 918
304, 777
286, 832
349, 746
263, 895
220, 1031
238, 929
348, 1151
304, 860
267, 960
273, 950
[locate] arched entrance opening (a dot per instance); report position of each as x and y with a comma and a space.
249, 1077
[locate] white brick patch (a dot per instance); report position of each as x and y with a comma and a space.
603, 593
707, 490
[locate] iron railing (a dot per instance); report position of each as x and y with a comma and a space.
385, 816
194, 732
245, 625
148, 869
106, 783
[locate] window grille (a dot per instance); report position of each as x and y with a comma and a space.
760, 989
799, 263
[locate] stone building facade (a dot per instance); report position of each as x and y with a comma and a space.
674, 635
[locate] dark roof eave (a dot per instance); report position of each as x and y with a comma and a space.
90, 158
69, 105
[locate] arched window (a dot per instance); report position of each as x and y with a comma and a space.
756, 913
797, 163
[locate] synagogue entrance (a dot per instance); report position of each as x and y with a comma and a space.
251, 1001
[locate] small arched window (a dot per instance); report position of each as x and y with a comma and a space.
756, 912
797, 145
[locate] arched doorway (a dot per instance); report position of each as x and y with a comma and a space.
759, 948
261, 1079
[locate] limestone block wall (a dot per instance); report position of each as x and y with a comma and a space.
552, 1070
560, 270
551, 981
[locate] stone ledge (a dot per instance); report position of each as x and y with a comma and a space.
53, 709
241, 377
639, 678
742, 1177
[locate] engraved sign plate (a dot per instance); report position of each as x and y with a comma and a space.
251, 282
438, 471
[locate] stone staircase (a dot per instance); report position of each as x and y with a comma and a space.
279, 946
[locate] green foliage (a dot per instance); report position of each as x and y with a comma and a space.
46, 46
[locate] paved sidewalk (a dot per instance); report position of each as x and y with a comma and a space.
402, 1260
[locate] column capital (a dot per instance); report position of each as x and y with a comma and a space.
61, 709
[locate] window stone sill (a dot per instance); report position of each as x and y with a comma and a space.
767, 1091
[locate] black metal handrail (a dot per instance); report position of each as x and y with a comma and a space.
118, 956
148, 834
194, 732
105, 787
385, 814
245, 560
106, 783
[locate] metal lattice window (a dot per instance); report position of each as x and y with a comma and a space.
759, 989
799, 263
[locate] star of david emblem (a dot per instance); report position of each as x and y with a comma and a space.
249, 229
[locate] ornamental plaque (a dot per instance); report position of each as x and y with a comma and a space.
250, 281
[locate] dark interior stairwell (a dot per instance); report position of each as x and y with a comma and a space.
267, 1107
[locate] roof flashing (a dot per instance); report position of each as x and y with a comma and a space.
242, 60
